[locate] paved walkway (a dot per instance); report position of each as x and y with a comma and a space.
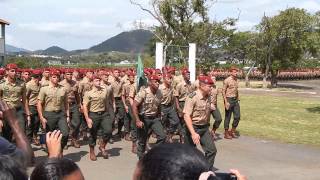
258, 159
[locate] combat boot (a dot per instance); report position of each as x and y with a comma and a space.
227, 134
134, 148
93, 156
75, 143
233, 133
127, 137
102, 149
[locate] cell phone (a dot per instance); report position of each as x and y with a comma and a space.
226, 176
42, 138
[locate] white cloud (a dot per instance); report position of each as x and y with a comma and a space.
245, 25
311, 6
73, 29
89, 12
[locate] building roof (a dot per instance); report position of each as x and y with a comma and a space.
4, 22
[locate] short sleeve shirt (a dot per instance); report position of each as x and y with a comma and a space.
71, 89
198, 108
32, 91
167, 94
12, 92
182, 90
95, 99
53, 98
149, 102
230, 87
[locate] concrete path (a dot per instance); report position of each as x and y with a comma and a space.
257, 159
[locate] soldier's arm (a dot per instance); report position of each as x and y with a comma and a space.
1, 91
25, 102
136, 103
188, 110
224, 91
176, 94
41, 98
123, 98
66, 106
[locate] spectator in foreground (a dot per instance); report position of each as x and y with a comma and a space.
56, 168
176, 162
10, 169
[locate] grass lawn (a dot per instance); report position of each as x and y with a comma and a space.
285, 119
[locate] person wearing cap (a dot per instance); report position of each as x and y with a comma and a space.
117, 86
181, 92
111, 106
147, 113
32, 92
230, 95
45, 77
72, 87
13, 92
53, 107
197, 118
97, 117
216, 112
128, 95
2, 75
168, 111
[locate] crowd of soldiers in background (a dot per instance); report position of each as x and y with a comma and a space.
284, 75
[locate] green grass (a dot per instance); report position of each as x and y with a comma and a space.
284, 119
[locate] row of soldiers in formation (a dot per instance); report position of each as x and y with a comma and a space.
284, 75
108, 99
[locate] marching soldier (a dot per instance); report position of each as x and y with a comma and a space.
129, 93
117, 86
12, 91
146, 110
45, 77
32, 92
215, 111
182, 90
197, 117
168, 111
71, 88
96, 115
53, 107
231, 102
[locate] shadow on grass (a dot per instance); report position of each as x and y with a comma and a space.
294, 86
314, 110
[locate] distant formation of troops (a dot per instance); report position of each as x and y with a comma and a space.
284, 75
92, 104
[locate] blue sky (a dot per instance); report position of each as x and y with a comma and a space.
78, 24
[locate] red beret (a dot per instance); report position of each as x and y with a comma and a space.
130, 73
11, 66
36, 72
96, 77
54, 72
68, 70
167, 75
46, 69
206, 80
154, 77
185, 71
2, 71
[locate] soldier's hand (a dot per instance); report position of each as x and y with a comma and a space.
213, 107
237, 173
68, 119
195, 138
126, 108
43, 122
139, 124
89, 123
227, 105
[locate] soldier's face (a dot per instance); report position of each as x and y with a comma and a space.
116, 74
154, 84
206, 88
234, 73
131, 79
26, 75
213, 79
168, 80
186, 76
89, 75
68, 76
46, 74
11, 73
54, 79
96, 82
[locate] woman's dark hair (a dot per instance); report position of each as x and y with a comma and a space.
11, 170
172, 162
54, 169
